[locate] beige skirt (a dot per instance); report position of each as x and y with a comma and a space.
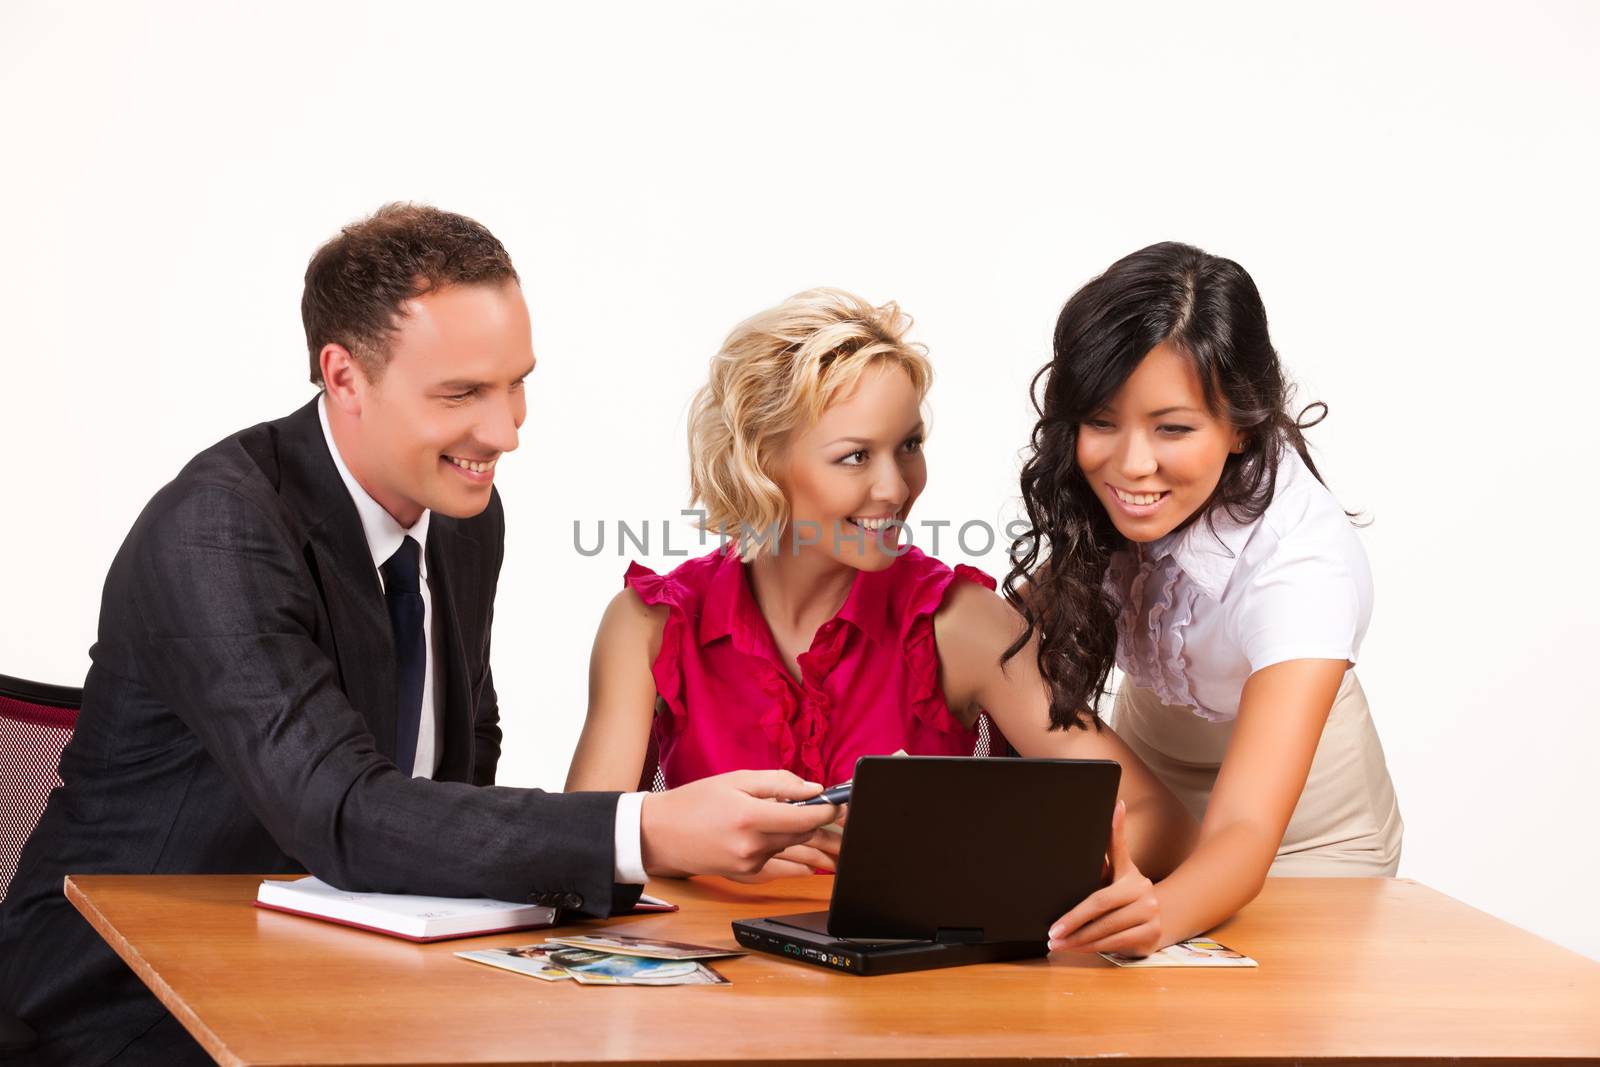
1347, 821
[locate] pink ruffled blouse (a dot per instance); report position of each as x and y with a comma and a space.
869, 683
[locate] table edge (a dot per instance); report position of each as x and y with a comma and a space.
213, 1045
208, 1039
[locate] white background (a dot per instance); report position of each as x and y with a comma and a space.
1412, 186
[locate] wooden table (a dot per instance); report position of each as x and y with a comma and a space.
1351, 969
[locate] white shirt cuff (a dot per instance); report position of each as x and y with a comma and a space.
630, 852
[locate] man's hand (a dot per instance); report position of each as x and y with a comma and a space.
818, 854
731, 824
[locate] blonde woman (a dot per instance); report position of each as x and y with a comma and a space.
814, 637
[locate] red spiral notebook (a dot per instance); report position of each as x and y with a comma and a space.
415, 918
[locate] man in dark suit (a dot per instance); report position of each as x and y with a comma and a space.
292, 671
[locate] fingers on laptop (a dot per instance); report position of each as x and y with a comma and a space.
826, 842
1125, 916
815, 859
774, 868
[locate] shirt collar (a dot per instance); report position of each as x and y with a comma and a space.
1207, 550
383, 533
867, 606
730, 607
722, 598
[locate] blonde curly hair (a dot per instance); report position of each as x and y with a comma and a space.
775, 374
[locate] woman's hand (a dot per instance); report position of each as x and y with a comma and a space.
1123, 917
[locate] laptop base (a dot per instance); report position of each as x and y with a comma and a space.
804, 937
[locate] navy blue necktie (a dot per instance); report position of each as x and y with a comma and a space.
402, 590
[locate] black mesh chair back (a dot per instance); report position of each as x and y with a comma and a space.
36, 721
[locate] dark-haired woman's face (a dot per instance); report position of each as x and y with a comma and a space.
1155, 453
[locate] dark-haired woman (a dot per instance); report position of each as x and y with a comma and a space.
1181, 532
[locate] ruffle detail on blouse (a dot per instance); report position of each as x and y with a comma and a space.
781, 720
667, 670
797, 723
922, 650
1150, 644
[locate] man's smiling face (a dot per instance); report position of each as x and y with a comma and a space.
428, 432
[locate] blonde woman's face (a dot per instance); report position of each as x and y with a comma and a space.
851, 479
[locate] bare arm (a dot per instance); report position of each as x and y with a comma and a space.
1281, 715
973, 628
622, 697
708, 826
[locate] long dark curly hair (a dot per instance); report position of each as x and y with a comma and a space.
1207, 307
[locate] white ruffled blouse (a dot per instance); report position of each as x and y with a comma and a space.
1205, 607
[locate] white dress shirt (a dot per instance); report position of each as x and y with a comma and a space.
384, 536
1202, 610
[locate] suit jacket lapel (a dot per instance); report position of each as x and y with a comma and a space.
363, 641
342, 564
454, 701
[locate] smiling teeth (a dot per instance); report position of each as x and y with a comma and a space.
469, 465
872, 524
1136, 498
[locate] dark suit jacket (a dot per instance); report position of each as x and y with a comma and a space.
239, 716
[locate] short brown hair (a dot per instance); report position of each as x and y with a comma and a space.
357, 282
